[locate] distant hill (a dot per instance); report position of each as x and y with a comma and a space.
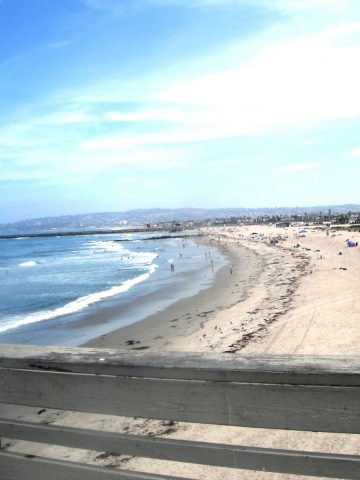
104, 220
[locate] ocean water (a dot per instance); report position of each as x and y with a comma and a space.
67, 290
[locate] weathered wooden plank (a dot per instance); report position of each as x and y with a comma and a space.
298, 407
21, 467
204, 453
290, 369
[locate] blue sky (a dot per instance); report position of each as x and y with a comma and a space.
109, 105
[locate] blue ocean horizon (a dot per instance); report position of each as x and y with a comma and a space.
50, 285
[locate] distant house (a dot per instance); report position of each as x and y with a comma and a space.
354, 218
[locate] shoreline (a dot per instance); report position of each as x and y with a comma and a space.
238, 310
130, 297
188, 315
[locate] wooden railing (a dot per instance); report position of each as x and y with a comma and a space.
278, 392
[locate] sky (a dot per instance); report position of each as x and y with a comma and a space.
112, 105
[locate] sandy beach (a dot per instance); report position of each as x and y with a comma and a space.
189, 316
295, 296
305, 301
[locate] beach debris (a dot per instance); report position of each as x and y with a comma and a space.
273, 241
241, 343
104, 455
170, 427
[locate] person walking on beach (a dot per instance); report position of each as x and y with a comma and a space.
172, 268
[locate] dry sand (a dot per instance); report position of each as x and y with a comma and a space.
316, 313
302, 298
164, 329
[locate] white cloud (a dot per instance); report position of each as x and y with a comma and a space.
135, 158
300, 5
150, 115
64, 118
115, 125
355, 152
297, 168
123, 141
302, 80
288, 5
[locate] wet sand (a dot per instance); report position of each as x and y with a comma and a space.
189, 315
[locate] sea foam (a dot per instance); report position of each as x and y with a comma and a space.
27, 264
117, 248
78, 304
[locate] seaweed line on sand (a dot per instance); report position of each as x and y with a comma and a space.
282, 268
